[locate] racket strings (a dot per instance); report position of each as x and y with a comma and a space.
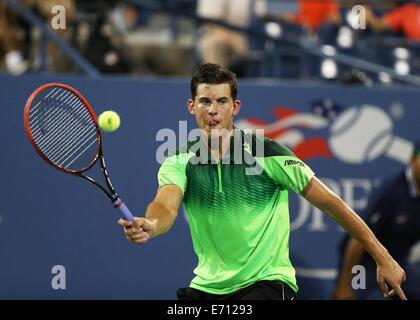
50, 117
63, 129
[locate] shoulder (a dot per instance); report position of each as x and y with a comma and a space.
266, 147
179, 157
183, 150
273, 148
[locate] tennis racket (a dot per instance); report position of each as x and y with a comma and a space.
63, 129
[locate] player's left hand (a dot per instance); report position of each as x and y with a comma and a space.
390, 273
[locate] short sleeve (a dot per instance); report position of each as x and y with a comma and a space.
173, 172
288, 171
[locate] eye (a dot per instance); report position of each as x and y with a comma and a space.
205, 102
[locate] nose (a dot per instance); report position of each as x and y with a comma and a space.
213, 109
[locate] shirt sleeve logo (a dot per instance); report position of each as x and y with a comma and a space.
293, 163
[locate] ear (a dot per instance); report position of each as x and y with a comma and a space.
236, 107
190, 106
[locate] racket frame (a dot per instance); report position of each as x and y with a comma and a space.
111, 193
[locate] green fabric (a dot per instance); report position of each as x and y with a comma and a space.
173, 170
239, 223
287, 171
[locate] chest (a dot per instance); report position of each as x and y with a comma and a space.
213, 185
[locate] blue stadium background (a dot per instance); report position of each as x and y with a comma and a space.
48, 218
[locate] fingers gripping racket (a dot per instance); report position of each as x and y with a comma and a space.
63, 129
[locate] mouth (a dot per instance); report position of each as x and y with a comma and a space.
212, 123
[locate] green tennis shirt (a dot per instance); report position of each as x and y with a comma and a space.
238, 210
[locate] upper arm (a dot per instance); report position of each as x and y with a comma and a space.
169, 197
288, 171
317, 193
282, 166
172, 180
173, 172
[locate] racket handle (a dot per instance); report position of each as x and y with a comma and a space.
125, 212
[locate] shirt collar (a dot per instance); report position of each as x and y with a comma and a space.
229, 156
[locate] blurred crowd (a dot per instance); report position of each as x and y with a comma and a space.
255, 38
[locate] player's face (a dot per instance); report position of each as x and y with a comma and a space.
214, 107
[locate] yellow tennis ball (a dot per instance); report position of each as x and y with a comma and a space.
109, 121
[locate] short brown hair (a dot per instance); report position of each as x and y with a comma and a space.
211, 73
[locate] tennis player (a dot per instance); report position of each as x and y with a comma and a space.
239, 217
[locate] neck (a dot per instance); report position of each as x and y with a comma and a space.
219, 143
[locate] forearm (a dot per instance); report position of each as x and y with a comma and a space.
161, 217
388, 270
378, 24
356, 227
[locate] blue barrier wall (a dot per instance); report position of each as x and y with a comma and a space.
48, 218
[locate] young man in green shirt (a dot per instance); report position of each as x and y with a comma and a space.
235, 189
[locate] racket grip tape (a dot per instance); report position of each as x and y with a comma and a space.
125, 212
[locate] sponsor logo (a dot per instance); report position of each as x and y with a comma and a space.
293, 162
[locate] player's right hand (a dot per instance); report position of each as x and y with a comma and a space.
139, 231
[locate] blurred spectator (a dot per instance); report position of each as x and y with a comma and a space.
126, 17
312, 14
9, 43
44, 7
10, 25
55, 62
404, 18
105, 25
393, 214
221, 45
